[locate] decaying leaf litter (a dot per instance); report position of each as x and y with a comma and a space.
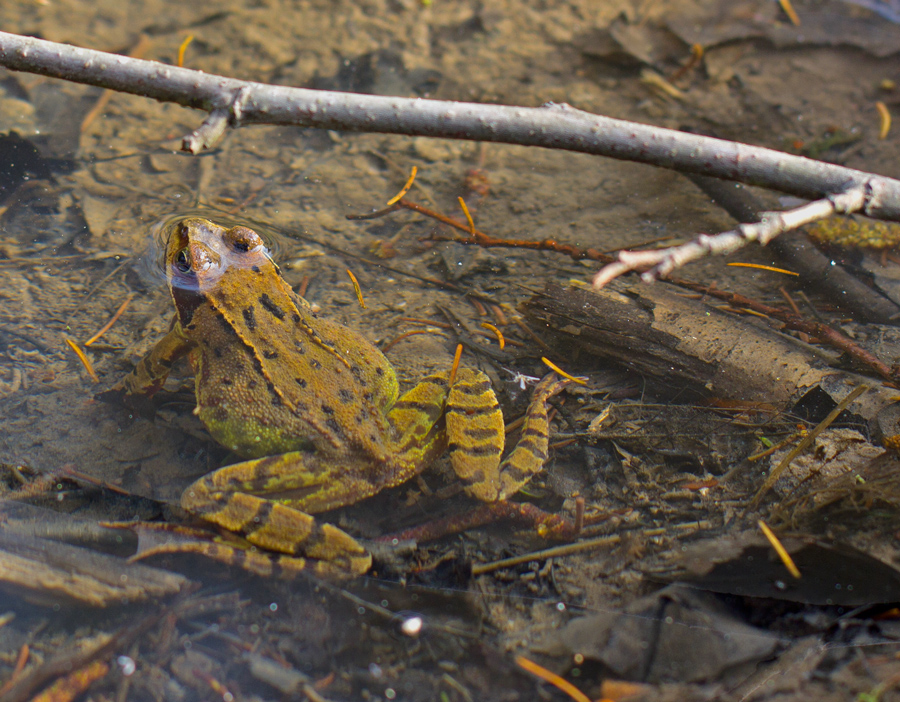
654, 480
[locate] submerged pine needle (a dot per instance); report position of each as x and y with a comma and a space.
405, 188
789, 10
393, 342
71, 686
654, 80
455, 366
762, 267
462, 203
500, 340
181, 49
85, 361
885, 116
106, 327
357, 289
555, 368
552, 678
779, 549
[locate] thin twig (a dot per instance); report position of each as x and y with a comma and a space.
476, 237
661, 262
804, 444
792, 320
555, 552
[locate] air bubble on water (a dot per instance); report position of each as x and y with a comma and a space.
127, 665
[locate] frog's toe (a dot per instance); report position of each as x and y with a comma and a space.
550, 385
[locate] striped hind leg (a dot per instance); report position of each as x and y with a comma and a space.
416, 420
264, 500
476, 435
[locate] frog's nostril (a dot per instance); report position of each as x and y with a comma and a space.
243, 239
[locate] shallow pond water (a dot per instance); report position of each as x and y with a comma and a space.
81, 236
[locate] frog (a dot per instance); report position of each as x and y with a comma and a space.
312, 408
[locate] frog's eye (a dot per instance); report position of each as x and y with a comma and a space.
183, 260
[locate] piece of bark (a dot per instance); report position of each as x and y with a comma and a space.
689, 350
745, 564
46, 572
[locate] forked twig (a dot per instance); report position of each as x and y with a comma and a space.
659, 263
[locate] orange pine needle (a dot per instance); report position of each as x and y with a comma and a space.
181, 49
763, 268
21, 660
693, 62
304, 284
779, 549
790, 12
324, 682
405, 189
427, 322
362, 303
885, 116
620, 689
85, 361
455, 366
500, 340
556, 369
476, 303
106, 327
217, 687
462, 203
552, 678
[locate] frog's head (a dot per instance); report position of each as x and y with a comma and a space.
202, 256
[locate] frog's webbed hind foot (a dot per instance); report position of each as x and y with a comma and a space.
157, 539
530, 454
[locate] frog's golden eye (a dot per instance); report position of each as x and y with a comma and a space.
183, 260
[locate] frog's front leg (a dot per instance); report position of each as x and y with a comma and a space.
268, 501
150, 373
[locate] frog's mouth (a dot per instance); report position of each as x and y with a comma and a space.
186, 293
194, 267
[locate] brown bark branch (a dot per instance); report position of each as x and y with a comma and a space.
557, 126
